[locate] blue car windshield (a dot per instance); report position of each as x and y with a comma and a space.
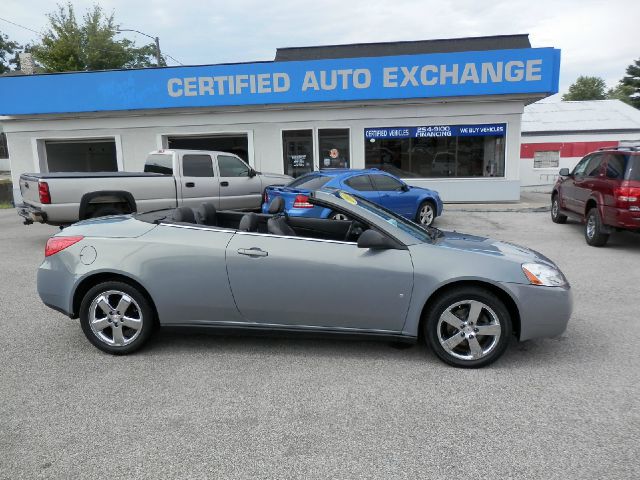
388, 216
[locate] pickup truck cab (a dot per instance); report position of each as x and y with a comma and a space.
602, 191
171, 178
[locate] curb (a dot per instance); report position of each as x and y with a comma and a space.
506, 209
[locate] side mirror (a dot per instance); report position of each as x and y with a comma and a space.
405, 188
252, 173
375, 240
564, 172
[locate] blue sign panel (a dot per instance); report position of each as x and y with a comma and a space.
494, 72
493, 130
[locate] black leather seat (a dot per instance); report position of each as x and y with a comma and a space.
277, 225
184, 214
209, 214
249, 223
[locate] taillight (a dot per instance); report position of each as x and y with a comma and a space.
57, 244
302, 201
626, 195
43, 190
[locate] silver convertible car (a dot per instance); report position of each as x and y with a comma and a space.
374, 274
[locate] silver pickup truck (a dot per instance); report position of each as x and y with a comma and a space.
171, 178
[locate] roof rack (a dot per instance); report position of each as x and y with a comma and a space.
631, 148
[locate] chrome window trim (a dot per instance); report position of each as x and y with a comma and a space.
256, 234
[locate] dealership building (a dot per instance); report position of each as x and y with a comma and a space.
444, 114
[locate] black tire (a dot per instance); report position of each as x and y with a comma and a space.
431, 219
556, 216
593, 231
140, 304
493, 314
105, 211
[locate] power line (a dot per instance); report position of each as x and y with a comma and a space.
177, 61
21, 26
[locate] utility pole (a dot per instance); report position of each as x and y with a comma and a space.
158, 54
155, 39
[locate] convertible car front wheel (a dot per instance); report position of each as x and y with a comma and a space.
116, 317
468, 327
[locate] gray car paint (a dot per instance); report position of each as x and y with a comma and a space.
193, 273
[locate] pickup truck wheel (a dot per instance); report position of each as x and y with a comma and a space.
104, 211
468, 327
116, 317
556, 216
593, 233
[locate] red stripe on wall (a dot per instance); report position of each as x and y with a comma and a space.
567, 149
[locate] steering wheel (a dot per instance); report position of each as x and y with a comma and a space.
355, 228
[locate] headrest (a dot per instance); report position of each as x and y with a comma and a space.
249, 223
210, 215
184, 214
276, 205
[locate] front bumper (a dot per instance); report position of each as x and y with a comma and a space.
544, 311
31, 214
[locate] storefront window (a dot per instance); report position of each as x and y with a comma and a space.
334, 147
297, 147
437, 151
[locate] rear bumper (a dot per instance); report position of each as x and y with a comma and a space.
31, 214
544, 311
622, 218
55, 285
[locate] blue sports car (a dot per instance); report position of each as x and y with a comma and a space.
418, 204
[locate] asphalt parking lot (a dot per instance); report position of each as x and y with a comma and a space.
193, 405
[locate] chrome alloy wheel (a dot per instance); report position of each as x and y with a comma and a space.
426, 214
469, 330
115, 318
591, 226
554, 208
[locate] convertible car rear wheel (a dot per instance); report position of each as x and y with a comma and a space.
468, 327
116, 317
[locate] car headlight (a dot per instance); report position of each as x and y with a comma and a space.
541, 274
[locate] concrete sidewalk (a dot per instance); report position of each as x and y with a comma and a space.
529, 202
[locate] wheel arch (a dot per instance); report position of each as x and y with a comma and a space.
115, 196
91, 281
499, 292
591, 203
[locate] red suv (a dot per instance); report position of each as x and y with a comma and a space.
603, 192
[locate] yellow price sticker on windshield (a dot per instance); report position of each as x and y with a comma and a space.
348, 198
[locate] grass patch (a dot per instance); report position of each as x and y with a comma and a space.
5, 205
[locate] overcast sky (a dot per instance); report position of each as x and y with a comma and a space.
596, 37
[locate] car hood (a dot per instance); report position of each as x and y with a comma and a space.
489, 246
276, 177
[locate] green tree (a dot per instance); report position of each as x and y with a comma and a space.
621, 92
90, 45
8, 53
632, 81
586, 88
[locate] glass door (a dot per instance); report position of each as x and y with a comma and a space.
297, 148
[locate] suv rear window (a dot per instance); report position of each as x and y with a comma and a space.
310, 182
633, 167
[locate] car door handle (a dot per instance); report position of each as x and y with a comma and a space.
189, 184
253, 252
224, 184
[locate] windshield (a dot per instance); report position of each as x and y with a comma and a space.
310, 182
407, 226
